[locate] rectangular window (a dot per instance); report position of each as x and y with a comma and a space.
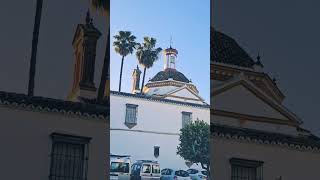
155, 169
69, 157
119, 167
131, 114
146, 168
242, 169
186, 118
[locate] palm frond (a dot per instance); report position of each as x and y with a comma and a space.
146, 53
124, 43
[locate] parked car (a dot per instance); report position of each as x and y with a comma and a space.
198, 174
170, 174
145, 170
120, 167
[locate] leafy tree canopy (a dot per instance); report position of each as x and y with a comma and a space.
194, 143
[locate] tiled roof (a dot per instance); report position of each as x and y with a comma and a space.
170, 73
104, 102
226, 50
54, 105
152, 98
263, 136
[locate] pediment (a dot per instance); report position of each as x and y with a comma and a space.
184, 93
240, 96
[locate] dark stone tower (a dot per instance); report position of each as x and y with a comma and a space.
136, 80
84, 44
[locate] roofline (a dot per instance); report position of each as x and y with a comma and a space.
219, 37
161, 100
169, 69
185, 87
246, 135
212, 62
250, 71
155, 83
44, 104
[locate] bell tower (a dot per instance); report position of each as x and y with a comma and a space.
84, 44
170, 58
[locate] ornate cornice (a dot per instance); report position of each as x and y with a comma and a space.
42, 104
223, 72
243, 135
171, 83
185, 98
253, 118
158, 99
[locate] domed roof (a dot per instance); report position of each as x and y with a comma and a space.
170, 74
226, 50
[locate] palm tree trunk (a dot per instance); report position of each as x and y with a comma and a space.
121, 73
33, 60
144, 75
105, 69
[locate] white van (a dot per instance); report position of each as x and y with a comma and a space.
120, 167
145, 170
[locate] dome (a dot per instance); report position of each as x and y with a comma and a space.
226, 50
170, 74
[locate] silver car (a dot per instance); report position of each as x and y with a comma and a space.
198, 174
170, 174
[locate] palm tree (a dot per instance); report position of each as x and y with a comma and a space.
147, 54
101, 5
124, 45
35, 37
104, 7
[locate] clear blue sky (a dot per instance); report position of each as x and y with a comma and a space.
186, 21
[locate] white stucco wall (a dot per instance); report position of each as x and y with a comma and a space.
140, 146
162, 121
278, 161
26, 143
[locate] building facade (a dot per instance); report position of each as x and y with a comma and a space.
147, 125
253, 135
45, 138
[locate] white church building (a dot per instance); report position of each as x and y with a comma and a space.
146, 125
253, 135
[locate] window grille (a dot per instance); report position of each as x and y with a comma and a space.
69, 157
131, 114
242, 169
186, 118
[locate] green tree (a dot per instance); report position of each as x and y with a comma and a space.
124, 45
103, 6
194, 143
35, 37
147, 54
